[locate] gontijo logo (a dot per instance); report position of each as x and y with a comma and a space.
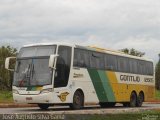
129, 78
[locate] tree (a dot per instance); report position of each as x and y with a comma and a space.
157, 74
133, 52
5, 75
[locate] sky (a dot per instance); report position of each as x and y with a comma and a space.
113, 24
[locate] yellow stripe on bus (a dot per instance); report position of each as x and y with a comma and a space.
39, 88
123, 91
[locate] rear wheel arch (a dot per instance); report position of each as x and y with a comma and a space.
134, 92
77, 99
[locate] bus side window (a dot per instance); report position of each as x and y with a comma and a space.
110, 62
133, 65
123, 64
148, 68
81, 58
97, 60
141, 67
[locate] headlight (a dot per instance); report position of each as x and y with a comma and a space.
47, 90
15, 91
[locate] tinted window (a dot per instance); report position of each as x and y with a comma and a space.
141, 67
97, 60
133, 66
84, 58
149, 68
123, 64
110, 62
81, 58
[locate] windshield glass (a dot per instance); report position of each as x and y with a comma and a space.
33, 70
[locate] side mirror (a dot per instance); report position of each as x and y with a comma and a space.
8, 61
52, 61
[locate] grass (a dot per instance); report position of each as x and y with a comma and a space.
6, 97
143, 115
157, 94
147, 115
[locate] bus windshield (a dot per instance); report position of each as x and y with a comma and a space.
32, 66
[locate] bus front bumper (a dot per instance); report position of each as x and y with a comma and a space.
40, 98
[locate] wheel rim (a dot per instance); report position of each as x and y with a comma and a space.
77, 100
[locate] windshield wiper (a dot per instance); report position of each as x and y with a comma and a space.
28, 71
26, 76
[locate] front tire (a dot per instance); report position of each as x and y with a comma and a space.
78, 101
43, 106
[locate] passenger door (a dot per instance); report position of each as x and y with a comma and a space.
62, 67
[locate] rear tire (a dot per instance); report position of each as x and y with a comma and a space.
78, 100
133, 99
43, 106
140, 99
107, 104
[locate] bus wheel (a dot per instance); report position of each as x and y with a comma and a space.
78, 100
107, 104
140, 99
43, 106
133, 99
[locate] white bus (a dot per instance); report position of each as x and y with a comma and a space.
48, 74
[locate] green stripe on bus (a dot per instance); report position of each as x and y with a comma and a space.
98, 85
106, 85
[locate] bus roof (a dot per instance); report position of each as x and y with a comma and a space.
43, 44
92, 48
